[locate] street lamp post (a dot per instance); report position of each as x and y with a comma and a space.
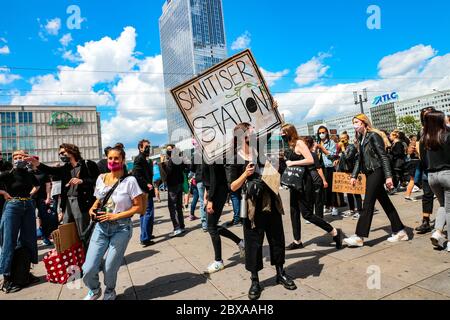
360, 99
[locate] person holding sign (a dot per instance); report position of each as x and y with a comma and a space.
346, 164
374, 163
298, 154
262, 207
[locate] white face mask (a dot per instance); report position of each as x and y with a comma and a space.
322, 136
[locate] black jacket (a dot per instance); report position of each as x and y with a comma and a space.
372, 156
175, 173
88, 173
348, 159
216, 183
143, 172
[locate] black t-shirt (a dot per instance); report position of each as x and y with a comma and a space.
317, 180
43, 179
19, 183
439, 160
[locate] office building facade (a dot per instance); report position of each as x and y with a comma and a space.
40, 130
192, 35
384, 116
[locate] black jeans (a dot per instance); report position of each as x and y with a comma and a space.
319, 195
354, 199
271, 224
216, 231
330, 196
49, 219
303, 203
428, 197
375, 191
175, 204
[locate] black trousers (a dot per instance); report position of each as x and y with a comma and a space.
175, 204
330, 196
375, 191
354, 201
319, 194
303, 204
271, 225
428, 197
216, 231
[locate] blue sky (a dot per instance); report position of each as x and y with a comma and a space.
329, 39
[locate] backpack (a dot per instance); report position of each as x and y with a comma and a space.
20, 267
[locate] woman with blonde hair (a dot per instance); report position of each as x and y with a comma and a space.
374, 163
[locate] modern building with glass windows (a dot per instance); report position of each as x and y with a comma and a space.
192, 35
40, 130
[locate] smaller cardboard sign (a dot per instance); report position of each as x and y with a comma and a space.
68, 235
271, 177
341, 183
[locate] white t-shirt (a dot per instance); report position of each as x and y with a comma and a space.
122, 197
56, 188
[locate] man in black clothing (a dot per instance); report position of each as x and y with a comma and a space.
174, 168
143, 172
78, 179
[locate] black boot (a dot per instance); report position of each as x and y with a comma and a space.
424, 228
339, 238
284, 279
255, 289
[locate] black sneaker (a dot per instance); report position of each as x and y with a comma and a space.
424, 228
147, 243
295, 246
10, 287
32, 279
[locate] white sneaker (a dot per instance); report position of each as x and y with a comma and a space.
110, 295
354, 241
415, 189
347, 214
326, 210
448, 246
411, 199
356, 216
241, 246
92, 295
214, 267
438, 240
307, 222
399, 236
335, 212
177, 233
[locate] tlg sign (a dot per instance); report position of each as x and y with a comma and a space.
385, 99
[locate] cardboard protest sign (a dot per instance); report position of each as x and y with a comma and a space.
225, 95
271, 177
341, 183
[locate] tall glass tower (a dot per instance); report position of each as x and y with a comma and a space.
192, 35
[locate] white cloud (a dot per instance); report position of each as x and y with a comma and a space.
52, 27
242, 42
4, 50
319, 101
136, 87
6, 77
403, 62
312, 70
272, 77
66, 39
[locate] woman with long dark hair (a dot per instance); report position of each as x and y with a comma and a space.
263, 209
436, 141
298, 154
374, 163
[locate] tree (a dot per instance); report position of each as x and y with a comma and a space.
409, 125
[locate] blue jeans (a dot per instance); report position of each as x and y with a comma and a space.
110, 238
194, 199
236, 201
148, 220
17, 229
201, 196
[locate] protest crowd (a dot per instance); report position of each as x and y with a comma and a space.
100, 199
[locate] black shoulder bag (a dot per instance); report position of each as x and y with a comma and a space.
293, 178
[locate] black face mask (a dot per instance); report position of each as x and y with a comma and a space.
169, 153
65, 159
285, 139
147, 150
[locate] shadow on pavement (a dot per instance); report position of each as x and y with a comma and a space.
139, 255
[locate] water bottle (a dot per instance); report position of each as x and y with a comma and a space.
244, 206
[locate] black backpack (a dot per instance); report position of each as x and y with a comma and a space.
20, 267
